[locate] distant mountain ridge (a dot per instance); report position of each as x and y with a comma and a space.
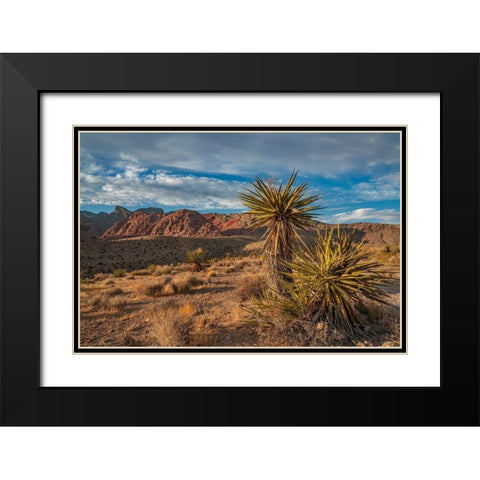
95, 224
123, 223
180, 223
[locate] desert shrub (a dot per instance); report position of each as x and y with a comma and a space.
182, 286
119, 272
99, 302
118, 305
196, 257
115, 291
160, 289
105, 302
167, 286
169, 289
151, 268
211, 273
169, 329
188, 309
194, 281
250, 286
110, 282
182, 267
241, 264
164, 270
139, 273
228, 256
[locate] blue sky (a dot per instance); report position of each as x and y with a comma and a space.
357, 174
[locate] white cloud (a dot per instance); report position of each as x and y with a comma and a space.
365, 215
330, 155
159, 188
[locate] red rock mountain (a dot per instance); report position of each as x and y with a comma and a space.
230, 223
93, 225
189, 223
181, 223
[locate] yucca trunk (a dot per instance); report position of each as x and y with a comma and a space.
277, 254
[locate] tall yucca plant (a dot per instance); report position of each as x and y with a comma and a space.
283, 210
332, 280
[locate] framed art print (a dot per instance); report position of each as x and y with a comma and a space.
186, 268
237, 231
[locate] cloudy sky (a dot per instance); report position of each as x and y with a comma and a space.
357, 174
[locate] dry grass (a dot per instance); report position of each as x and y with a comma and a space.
115, 291
249, 286
105, 302
163, 270
159, 289
173, 307
140, 273
188, 309
169, 329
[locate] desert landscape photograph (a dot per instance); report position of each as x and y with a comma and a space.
241, 239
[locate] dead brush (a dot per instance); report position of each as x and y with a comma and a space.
185, 285
115, 291
139, 273
169, 328
99, 302
163, 270
188, 309
250, 286
161, 288
168, 286
194, 281
99, 276
182, 286
118, 305
103, 302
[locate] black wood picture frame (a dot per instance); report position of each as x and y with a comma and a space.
23, 77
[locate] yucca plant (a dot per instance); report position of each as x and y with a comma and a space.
283, 210
332, 281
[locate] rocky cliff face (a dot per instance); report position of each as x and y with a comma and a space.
230, 223
95, 224
181, 223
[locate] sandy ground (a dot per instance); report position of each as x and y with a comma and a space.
119, 311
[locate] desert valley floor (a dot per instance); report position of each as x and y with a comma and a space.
140, 292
